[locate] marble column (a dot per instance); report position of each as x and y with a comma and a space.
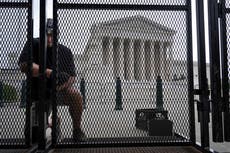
115, 58
111, 62
98, 55
105, 50
167, 61
170, 61
131, 60
98, 49
164, 62
141, 72
121, 58
118, 58
148, 60
136, 46
152, 60
157, 59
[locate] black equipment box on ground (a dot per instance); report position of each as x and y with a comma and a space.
154, 121
143, 116
160, 127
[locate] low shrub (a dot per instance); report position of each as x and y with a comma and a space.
9, 93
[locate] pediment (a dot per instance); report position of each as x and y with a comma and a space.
138, 24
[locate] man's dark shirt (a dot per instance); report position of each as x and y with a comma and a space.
65, 63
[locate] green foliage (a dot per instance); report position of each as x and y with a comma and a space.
9, 93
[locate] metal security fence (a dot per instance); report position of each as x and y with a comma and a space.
225, 62
214, 103
122, 75
160, 3
14, 32
136, 62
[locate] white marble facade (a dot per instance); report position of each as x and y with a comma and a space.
132, 48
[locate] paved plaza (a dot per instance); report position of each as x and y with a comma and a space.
97, 122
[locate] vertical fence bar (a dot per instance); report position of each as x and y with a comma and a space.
217, 129
202, 75
225, 79
54, 104
190, 74
42, 76
28, 123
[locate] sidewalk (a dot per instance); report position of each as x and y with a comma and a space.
98, 122
168, 149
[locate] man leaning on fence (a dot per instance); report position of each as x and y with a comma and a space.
66, 94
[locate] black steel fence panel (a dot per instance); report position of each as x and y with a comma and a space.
13, 35
119, 54
215, 79
131, 2
13, 1
228, 44
226, 67
226, 3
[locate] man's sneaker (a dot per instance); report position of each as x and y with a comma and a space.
78, 135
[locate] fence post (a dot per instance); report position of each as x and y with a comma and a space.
1, 94
82, 90
42, 78
159, 94
204, 127
118, 95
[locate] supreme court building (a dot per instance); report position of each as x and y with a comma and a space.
132, 48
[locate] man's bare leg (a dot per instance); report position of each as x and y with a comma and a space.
74, 101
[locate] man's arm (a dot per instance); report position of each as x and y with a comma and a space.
24, 57
67, 82
24, 68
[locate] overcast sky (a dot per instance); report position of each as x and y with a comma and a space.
81, 35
